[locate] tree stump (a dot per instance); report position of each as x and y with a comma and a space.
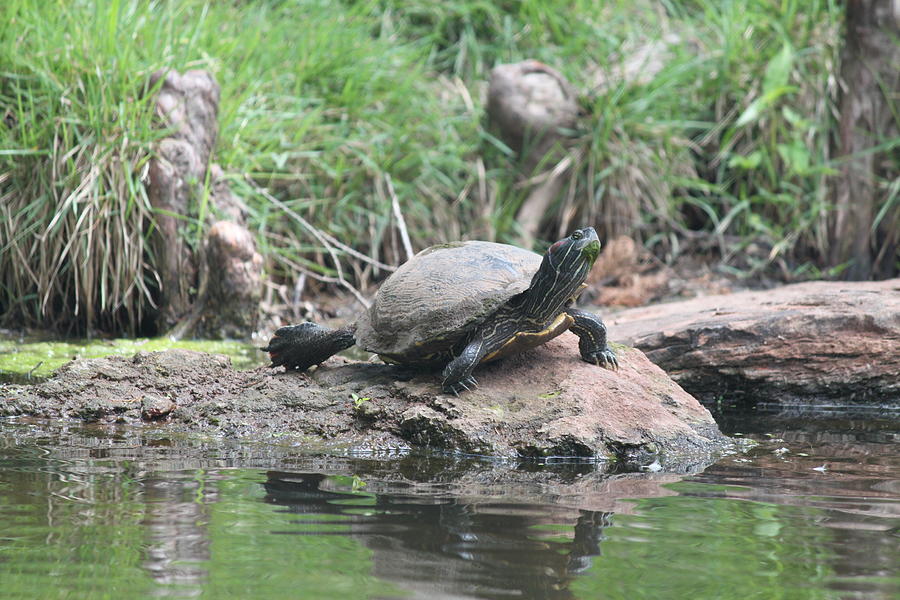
870, 84
532, 105
213, 292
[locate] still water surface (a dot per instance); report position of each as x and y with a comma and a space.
90, 512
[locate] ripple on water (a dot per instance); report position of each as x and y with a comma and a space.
89, 512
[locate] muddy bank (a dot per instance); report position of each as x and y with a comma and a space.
541, 403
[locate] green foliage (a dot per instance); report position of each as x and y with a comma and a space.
72, 153
702, 118
773, 77
359, 401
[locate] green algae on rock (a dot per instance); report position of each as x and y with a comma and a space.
31, 359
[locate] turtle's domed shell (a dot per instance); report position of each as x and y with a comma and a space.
440, 294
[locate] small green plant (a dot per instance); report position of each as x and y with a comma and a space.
358, 401
358, 484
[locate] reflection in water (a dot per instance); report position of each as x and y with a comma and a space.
176, 528
442, 547
812, 512
846, 469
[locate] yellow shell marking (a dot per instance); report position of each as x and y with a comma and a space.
522, 341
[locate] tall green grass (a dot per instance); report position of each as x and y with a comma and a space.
72, 153
323, 101
767, 149
316, 106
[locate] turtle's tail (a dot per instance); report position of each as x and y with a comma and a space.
307, 344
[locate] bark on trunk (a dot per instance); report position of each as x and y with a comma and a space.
870, 77
188, 104
532, 105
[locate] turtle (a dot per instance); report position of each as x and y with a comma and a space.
460, 304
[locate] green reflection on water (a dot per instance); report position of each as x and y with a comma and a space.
69, 539
255, 555
40, 358
96, 512
699, 548
201, 534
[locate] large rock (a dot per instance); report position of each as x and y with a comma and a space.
811, 342
545, 402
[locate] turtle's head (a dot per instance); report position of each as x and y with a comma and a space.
575, 252
564, 268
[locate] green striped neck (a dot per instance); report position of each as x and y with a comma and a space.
563, 270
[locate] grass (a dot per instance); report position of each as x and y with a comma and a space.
727, 139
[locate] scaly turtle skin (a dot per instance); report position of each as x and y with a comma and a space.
458, 305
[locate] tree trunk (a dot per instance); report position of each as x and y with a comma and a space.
870, 80
532, 105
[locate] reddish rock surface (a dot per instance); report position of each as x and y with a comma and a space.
546, 402
811, 342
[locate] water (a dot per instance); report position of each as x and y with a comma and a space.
90, 512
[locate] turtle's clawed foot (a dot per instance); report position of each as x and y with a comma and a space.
603, 358
456, 387
458, 372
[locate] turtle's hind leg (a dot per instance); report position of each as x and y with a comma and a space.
592, 342
307, 344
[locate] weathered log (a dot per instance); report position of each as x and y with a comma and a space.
817, 342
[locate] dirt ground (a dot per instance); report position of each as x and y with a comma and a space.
542, 403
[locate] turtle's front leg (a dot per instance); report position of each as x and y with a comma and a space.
592, 342
458, 372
